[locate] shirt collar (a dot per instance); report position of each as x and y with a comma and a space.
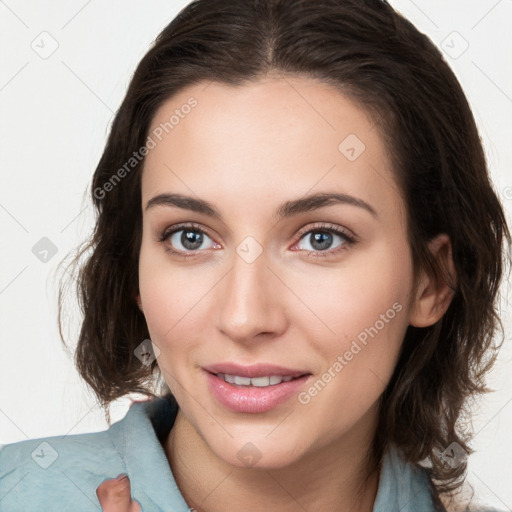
137, 438
402, 486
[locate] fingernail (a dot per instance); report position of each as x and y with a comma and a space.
122, 476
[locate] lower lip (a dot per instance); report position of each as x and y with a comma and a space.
253, 399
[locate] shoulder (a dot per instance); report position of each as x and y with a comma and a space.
57, 451
407, 487
63, 472
59, 471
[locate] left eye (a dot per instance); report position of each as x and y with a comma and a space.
322, 239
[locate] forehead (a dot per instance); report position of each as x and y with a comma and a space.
274, 137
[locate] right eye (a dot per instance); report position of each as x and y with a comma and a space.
190, 237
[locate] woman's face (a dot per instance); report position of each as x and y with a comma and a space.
274, 245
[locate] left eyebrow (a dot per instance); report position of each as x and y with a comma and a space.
287, 209
319, 200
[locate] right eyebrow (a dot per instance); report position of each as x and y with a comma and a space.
185, 202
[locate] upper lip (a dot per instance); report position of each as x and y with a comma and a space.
253, 371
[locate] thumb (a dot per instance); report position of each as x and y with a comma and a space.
114, 495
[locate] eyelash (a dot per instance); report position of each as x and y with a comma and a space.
322, 227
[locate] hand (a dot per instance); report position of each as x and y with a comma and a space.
115, 496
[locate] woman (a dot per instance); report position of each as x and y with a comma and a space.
294, 207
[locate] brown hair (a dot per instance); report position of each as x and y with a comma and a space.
380, 60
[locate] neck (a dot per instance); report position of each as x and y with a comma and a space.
335, 477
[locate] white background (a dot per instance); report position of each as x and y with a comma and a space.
54, 118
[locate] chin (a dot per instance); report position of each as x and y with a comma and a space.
257, 452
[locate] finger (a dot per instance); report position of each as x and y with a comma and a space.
115, 496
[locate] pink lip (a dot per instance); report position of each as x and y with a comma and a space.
252, 399
256, 370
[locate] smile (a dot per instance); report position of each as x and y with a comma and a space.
254, 394
260, 382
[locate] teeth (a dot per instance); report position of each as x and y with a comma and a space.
242, 381
260, 382
229, 378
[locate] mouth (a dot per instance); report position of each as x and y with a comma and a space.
254, 389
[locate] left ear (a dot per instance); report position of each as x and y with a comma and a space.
433, 296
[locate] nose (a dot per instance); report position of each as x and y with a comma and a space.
250, 301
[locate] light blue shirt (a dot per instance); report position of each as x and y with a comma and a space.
63, 473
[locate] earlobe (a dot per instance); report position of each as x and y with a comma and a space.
139, 302
433, 296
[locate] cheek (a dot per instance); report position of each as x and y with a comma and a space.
168, 299
173, 297
161, 292
365, 308
371, 289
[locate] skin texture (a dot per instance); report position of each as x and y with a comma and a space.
246, 150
